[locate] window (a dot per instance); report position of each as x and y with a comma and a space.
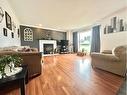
84, 41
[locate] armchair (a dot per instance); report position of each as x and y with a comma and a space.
114, 62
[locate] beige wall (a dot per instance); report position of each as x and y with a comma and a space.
109, 41
8, 41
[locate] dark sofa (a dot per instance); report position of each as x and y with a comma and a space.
32, 59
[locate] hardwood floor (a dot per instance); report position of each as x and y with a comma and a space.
70, 75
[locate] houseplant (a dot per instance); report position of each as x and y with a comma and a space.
9, 62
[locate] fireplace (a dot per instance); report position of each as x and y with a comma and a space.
48, 48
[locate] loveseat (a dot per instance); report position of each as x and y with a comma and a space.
32, 58
114, 62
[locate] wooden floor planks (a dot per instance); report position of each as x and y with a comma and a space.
70, 75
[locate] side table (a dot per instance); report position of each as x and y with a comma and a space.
20, 78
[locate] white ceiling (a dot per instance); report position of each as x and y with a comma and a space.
64, 14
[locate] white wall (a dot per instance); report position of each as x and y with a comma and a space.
8, 41
109, 41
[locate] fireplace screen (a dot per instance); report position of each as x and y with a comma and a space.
48, 48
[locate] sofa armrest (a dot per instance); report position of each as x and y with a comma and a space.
107, 57
33, 60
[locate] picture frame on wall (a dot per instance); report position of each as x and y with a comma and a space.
8, 21
110, 29
12, 34
113, 23
5, 32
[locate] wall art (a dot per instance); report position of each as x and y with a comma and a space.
12, 34
28, 34
8, 21
117, 25
4, 31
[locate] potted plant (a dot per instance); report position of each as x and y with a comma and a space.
10, 61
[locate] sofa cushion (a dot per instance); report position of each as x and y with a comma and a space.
13, 48
28, 50
18, 49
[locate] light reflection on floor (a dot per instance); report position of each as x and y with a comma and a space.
84, 65
83, 68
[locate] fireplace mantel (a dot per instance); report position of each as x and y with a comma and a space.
42, 42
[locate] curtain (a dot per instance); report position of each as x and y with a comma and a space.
75, 41
95, 43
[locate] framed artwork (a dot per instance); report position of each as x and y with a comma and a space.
8, 21
12, 34
4, 31
117, 25
28, 34
113, 22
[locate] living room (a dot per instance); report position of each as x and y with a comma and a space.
63, 47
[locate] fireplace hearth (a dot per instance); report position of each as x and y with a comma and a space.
48, 48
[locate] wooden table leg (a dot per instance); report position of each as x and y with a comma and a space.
26, 78
22, 86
